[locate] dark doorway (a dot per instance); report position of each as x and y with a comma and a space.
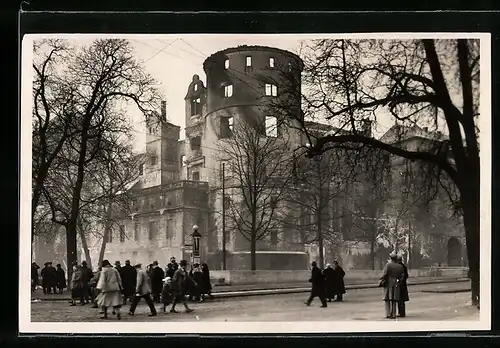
454, 252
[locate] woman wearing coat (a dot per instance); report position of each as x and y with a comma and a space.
206, 285
390, 281
404, 297
338, 281
61, 278
110, 287
76, 284
329, 274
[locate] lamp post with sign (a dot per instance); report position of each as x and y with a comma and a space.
196, 238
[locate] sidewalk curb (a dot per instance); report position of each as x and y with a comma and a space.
262, 292
308, 289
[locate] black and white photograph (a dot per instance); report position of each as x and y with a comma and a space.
255, 183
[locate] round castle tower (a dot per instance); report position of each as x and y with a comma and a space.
242, 83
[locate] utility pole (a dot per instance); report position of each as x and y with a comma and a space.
223, 216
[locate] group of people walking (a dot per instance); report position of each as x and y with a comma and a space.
328, 284
112, 287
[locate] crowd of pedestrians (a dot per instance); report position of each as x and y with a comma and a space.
113, 287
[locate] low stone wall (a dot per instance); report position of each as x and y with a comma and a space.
286, 276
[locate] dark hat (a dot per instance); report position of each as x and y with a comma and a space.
155, 263
139, 265
47, 263
127, 262
313, 263
183, 263
172, 258
58, 265
117, 262
105, 263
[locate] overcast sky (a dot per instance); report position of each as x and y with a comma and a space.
173, 60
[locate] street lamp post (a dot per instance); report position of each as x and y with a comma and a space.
196, 238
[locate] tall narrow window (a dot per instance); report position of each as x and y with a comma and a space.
271, 90
271, 62
152, 230
226, 64
137, 232
274, 237
196, 176
141, 169
195, 87
169, 231
230, 122
271, 127
228, 91
122, 233
196, 107
249, 61
183, 161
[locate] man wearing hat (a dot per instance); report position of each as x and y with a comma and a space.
390, 280
129, 277
142, 290
157, 276
404, 297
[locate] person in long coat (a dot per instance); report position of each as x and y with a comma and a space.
338, 283
34, 276
76, 285
61, 278
404, 296
318, 285
129, 277
87, 275
390, 280
49, 278
109, 287
205, 285
179, 286
329, 274
93, 287
157, 276
197, 276
142, 290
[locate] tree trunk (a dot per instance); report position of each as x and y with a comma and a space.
471, 218
85, 245
71, 227
253, 254
107, 232
319, 236
372, 250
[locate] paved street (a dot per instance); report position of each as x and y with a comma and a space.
365, 304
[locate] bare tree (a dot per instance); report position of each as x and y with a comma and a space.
258, 169
52, 99
102, 77
418, 83
320, 183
